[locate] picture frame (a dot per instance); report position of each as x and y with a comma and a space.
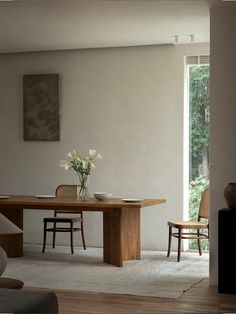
41, 121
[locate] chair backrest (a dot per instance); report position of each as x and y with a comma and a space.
66, 190
204, 205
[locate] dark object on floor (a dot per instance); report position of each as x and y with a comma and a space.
20, 301
227, 251
9, 283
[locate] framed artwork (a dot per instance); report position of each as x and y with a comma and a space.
41, 107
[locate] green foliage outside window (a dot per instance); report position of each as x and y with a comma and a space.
199, 140
195, 192
199, 107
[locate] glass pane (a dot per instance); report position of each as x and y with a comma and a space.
199, 115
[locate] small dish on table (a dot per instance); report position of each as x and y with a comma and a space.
101, 196
132, 200
4, 197
45, 196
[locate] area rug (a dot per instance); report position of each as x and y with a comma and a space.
154, 275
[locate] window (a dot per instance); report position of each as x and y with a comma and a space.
197, 144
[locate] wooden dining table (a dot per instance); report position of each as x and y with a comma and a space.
121, 222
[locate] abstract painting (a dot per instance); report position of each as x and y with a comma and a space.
41, 107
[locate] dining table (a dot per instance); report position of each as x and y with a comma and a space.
121, 222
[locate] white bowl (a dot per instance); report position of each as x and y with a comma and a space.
102, 195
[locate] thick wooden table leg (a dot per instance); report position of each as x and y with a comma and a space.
121, 235
112, 237
13, 243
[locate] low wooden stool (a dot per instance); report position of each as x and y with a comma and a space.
9, 283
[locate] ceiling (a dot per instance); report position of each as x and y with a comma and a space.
36, 25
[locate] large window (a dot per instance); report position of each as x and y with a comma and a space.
198, 103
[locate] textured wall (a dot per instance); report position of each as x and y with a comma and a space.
125, 102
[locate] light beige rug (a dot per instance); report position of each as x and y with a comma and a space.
154, 275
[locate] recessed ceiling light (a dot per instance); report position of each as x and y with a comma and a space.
176, 38
192, 37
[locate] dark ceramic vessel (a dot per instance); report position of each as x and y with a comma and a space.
230, 195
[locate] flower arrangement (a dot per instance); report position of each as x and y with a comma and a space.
83, 167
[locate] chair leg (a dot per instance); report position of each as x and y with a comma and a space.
82, 234
169, 241
199, 244
179, 243
54, 236
44, 236
71, 238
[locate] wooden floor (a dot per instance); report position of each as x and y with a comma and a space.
199, 299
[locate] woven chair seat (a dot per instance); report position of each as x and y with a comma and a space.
183, 226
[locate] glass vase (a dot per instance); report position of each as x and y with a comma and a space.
83, 188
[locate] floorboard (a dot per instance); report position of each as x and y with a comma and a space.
200, 299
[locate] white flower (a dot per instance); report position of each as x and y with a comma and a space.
77, 158
92, 152
83, 166
64, 164
92, 164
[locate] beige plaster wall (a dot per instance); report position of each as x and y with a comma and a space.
223, 113
125, 102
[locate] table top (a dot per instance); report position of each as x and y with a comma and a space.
32, 202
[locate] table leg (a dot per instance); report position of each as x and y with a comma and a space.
121, 235
13, 243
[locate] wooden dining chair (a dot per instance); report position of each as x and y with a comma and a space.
195, 227
68, 219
